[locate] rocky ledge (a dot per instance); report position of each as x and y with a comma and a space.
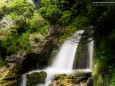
79, 79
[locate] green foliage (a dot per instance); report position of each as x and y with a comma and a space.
52, 13
65, 19
45, 2
2, 9
104, 58
2, 62
38, 24
15, 43
26, 17
99, 81
78, 23
66, 13
113, 80
20, 7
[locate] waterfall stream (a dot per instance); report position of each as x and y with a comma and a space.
63, 62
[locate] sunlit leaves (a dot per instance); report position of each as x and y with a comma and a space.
65, 18
52, 13
38, 23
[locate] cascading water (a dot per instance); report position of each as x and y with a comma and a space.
91, 53
63, 62
65, 57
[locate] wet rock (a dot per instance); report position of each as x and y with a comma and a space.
79, 79
57, 76
36, 78
10, 83
37, 42
61, 80
10, 72
41, 50
16, 58
9, 75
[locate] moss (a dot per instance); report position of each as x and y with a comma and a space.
60, 76
112, 82
36, 78
9, 82
50, 85
72, 79
98, 79
13, 72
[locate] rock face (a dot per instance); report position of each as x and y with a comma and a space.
21, 62
9, 75
41, 50
36, 78
82, 57
79, 79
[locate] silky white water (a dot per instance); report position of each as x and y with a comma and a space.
63, 62
65, 57
91, 48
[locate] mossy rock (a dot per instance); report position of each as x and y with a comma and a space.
13, 72
10, 82
61, 80
10, 72
60, 76
72, 76
36, 78
79, 77
75, 79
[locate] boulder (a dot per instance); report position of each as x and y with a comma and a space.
9, 75
78, 79
36, 78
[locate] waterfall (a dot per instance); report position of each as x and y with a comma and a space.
65, 57
91, 45
63, 62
